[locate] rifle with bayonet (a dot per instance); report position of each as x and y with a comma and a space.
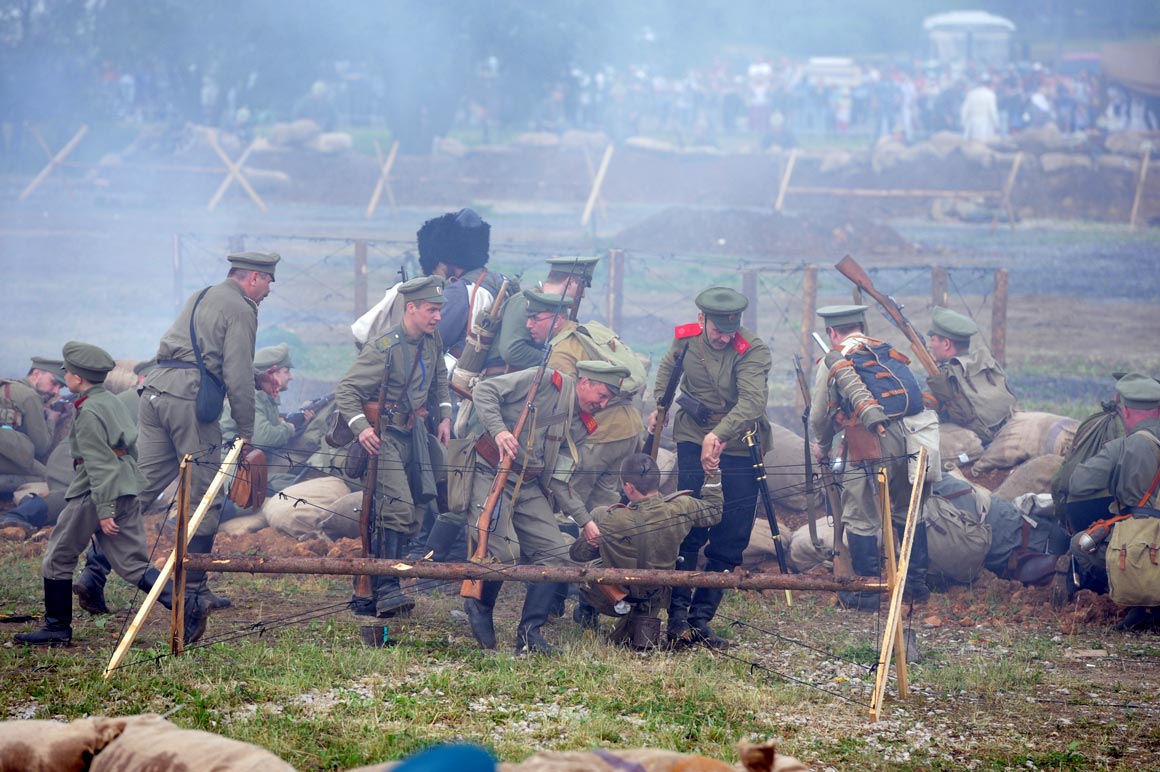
850, 268
842, 566
811, 514
653, 443
473, 588
755, 455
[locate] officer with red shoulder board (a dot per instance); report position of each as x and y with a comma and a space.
724, 387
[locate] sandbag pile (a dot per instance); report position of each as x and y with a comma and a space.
1025, 436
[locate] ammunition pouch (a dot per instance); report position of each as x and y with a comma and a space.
489, 453
701, 413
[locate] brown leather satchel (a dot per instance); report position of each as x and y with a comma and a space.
249, 488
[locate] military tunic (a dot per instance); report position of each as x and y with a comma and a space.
25, 439
617, 434
103, 443
734, 384
527, 531
514, 346
416, 375
646, 535
270, 431
226, 326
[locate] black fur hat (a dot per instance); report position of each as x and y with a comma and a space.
457, 238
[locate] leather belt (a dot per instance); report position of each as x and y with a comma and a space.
118, 452
176, 364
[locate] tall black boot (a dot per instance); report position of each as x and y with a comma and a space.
680, 600
704, 608
479, 614
864, 557
441, 541
537, 605
197, 604
203, 545
390, 600
915, 590
57, 630
90, 585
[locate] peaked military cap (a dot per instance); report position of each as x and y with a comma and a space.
840, 316
574, 266
951, 325
722, 306
1139, 391
255, 261
424, 288
54, 366
272, 356
460, 238
87, 361
539, 302
603, 372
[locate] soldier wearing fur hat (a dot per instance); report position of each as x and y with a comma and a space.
526, 530
971, 387
723, 392
411, 356
224, 320
102, 500
1129, 469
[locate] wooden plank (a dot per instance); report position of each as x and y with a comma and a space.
892, 577
54, 162
234, 173
1140, 185
384, 175
783, 186
597, 184
177, 619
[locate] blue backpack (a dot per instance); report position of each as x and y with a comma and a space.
886, 373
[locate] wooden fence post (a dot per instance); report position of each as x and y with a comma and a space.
938, 286
809, 311
999, 317
749, 290
360, 278
615, 287
1140, 185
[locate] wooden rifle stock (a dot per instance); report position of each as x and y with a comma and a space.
842, 566
850, 268
370, 481
811, 513
653, 444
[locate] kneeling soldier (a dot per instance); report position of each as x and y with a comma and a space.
101, 501
645, 534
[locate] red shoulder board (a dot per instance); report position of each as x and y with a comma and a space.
557, 380
740, 344
691, 330
80, 401
589, 421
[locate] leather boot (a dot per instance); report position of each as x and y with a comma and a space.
165, 598
90, 585
915, 590
441, 541
203, 545
1137, 619
586, 616
57, 630
679, 601
537, 606
864, 557
390, 600
479, 614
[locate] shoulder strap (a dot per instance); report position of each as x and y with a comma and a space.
1155, 480
193, 335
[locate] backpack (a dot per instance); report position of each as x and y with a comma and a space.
604, 344
1133, 562
1096, 431
958, 395
957, 539
886, 373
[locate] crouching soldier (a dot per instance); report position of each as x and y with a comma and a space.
644, 534
101, 501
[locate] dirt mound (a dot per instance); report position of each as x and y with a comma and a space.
777, 236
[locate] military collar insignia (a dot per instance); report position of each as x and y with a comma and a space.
589, 422
80, 401
557, 380
740, 344
691, 330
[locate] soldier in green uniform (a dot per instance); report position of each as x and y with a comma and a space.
645, 534
25, 435
224, 318
412, 355
724, 389
101, 499
846, 329
46, 376
515, 346
971, 387
525, 527
1128, 468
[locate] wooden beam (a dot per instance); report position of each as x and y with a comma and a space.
54, 162
597, 185
234, 172
783, 186
384, 181
892, 578
1140, 185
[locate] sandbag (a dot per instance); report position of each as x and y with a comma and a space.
667, 462
958, 444
785, 471
332, 143
301, 510
343, 520
150, 742
121, 378
1024, 436
1032, 476
803, 555
1057, 162
54, 746
236, 526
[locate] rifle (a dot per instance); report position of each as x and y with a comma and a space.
362, 586
849, 268
653, 443
842, 567
473, 588
811, 514
298, 417
767, 501
478, 342
584, 283
64, 404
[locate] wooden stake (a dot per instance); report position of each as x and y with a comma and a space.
938, 286
1140, 185
783, 186
592, 178
384, 181
177, 623
225, 471
597, 184
809, 315
1005, 192
615, 287
895, 613
234, 173
749, 290
999, 317
55, 161
360, 278
892, 577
